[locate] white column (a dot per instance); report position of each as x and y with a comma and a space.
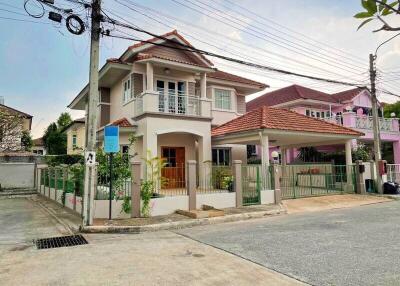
348, 152
264, 150
284, 155
149, 144
203, 85
149, 77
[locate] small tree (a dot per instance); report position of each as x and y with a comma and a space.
10, 131
64, 120
26, 140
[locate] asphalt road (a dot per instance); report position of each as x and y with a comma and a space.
355, 246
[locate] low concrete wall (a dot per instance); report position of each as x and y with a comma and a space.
267, 197
101, 209
17, 175
168, 205
217, 200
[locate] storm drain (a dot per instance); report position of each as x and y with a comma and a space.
62, 241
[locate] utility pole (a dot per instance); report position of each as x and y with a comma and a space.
375, 121
91, 117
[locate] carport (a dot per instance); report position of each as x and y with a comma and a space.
274, 127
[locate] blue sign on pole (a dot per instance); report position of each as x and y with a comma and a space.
111, 139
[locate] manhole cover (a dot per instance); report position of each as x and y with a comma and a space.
62, 241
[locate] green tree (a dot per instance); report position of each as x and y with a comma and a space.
392, 108
379, 10
55, 141
26, 140
64, 120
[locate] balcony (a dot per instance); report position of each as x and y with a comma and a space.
178, 104
364, 122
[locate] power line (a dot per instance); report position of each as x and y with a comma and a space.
27, 21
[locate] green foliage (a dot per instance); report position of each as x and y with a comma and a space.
55, 141
254, 160
361, 152
56, 160
78, 175
228, 183
392, 108
126, 205
64, 120
309, 154
376, 10
26, 140
153, 179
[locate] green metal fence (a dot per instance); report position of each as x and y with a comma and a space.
316, 179
254, 179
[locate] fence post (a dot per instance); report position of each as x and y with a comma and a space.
191, 183
360, 182
136, 170
277, 173
65, 178
39, 180
55, 183
48, 188
237, 186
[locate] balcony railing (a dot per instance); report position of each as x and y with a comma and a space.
172, 103
364, 122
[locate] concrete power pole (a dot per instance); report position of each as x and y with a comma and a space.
375, 121
91, 118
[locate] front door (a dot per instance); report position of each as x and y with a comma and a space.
174, 172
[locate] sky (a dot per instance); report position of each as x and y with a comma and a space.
43, 66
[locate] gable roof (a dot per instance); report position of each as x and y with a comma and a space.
280, 119
347, 94
218, 74
172, 36
2, 106
122, 122
38, 142
287, 94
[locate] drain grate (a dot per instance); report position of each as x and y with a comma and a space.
62, 241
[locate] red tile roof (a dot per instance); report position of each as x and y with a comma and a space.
166, 35
347, 94
122, 122
231, 77
287, 94
281, 119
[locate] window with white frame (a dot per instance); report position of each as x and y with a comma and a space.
223, 99
317, 113
126, 86
74, 140
221, 156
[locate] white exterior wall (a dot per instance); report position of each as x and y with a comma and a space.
17, 175
168, 205
267, 197
217, 200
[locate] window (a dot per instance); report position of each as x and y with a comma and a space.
307, 112
126, 85
74, 141
251, 151
169, 154
125, 149
221, 156
222, 99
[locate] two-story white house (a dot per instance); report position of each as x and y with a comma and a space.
171, 99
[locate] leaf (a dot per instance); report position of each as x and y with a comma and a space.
371, 4
363, 15
387, 11
381, 6
364, 22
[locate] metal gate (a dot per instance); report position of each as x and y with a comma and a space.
254, 179
317, 179
393, 173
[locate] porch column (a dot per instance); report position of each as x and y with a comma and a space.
396, 152
284, 156
264, 149
204, 155
348, 167
149, 77
149, 145
203, 85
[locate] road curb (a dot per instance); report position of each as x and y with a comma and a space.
183, 224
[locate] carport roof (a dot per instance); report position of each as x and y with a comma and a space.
280, 119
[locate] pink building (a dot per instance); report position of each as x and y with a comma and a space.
350, 108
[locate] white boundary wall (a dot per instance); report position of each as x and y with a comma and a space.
267, 197
17, 175
217, 200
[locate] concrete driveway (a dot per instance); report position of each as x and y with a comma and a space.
161, 258
353, 246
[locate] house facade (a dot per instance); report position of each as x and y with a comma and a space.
10, 137
76, 136
351, 108
170, 99
38, 147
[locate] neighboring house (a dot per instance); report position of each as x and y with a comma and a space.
171, 99
350, 108
75, 132
38, 146
10, 140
